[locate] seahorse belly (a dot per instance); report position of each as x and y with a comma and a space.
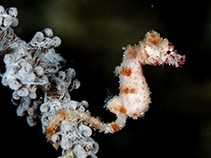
134, 96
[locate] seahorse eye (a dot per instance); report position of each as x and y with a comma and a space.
168, 52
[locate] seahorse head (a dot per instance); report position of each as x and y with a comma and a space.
159, 51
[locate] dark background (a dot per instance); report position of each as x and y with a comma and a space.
178, 123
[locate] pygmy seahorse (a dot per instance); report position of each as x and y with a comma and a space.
134, 97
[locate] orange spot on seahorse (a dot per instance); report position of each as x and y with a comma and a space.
132, 53
122, 110
154, 38
125, 71
115, 127
127, 90
132, 90
95, 126
118, 108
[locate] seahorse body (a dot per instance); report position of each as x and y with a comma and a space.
134, 97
